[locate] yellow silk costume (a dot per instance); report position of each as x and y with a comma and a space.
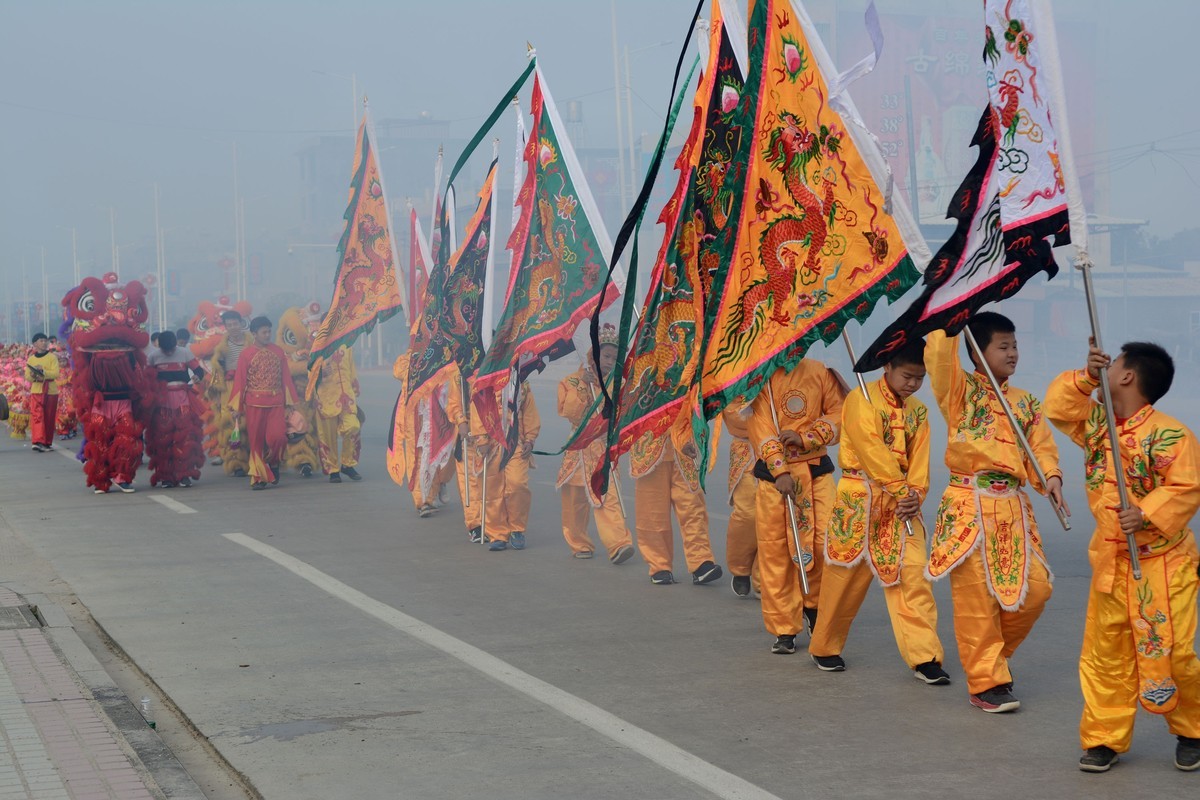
575, 397
293, 337
337, 411
884, 456
467, 469
224, 364
1139, 639
667, 479
808, 401
741, 541
985, 535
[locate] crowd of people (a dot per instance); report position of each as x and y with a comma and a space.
810, 544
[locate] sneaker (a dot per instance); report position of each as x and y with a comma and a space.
168, 485
517, 540
623, 554
810, 620
932, 673
662, 578
1098, 759
37, 448
830, 663
100, 491
335, 477
306, 470
784, 645
498, 545
426, 511
997, 700
475, 535
706, 573
351, 473
741, 585
126, 487
216, 462
185, 482
583, 554
46, 448
1187, 754
258, 486
239, 473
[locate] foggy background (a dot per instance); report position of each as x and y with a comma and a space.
101, 101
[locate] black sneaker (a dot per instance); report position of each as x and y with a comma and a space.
784, 645
932, 673
623, 554
335, 477
306, 470
1187, 754
741, 585
239, 473
37, 448
662, 578
426, 511
997, 700
258, 486
706, 573
1098, 759
185, 482
351, 473
830, 663
475, 535
810, 620
126, 487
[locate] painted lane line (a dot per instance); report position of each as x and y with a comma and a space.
174, 505
707, 776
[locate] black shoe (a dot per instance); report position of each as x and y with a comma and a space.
997, 700
741, 585
932, 673
335, 477
168, 485
475, 535
185, 482
426, 511
706, 573
662, 578
830, 663
306, 470
623, 554
784, 645
276, 473
1098, 759
351, 473
37, 448
1187, 754
810, 620
239, 473
258, 486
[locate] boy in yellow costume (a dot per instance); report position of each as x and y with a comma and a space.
576, 393
792, 422
668, 478
468, 465
337, 416
884, 456
741, 540
1139, 639
986, 537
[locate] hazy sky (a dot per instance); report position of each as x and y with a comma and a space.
100, 100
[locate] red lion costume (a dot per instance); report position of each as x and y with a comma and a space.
111, 387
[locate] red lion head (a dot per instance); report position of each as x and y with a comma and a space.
107, 315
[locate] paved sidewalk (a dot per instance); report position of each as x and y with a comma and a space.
58, 743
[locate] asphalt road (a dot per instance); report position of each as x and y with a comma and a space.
341, 647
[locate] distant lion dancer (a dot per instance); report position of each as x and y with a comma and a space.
262, 390
294, 336
225, 358
111, 385
175, 436
207, 331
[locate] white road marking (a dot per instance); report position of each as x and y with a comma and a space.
174, 505
708, 777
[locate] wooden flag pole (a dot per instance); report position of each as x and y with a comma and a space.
1012, 420
791, 507
466, 399
1084, 265
862, 384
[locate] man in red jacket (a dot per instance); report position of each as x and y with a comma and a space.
262, 389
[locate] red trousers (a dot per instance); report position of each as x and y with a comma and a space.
266, 438
43, 411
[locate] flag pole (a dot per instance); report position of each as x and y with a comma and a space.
482, 501
466, 399
862, 384
1012, 420
791, 506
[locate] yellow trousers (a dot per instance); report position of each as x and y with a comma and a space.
1107, 665
610, 520
656, 494
344, 426
910, 605
987, 635
741, 541
472, 514
508, 496
779, 579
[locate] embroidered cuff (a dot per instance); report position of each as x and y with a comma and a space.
772, 455
1084, 382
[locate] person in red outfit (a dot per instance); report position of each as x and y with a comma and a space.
262, 390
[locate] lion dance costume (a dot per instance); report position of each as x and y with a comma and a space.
207, 332
294, 336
